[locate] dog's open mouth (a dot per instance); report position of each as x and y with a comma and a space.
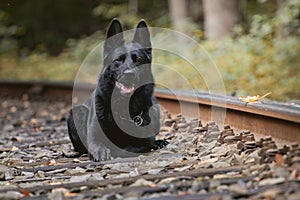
125, 89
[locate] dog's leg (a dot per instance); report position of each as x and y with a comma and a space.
76, 139
96, 140
154, 114
98, 152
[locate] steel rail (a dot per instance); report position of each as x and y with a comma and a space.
279, 120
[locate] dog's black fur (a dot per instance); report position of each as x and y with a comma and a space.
121, 118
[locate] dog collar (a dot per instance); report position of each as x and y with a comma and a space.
137, 120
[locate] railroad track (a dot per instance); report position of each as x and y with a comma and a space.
281, 121
256, 156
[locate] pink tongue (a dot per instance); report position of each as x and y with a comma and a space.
125, 89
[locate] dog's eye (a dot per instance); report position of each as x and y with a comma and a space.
134, 57
121, 58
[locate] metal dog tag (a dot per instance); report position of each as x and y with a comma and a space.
138, 120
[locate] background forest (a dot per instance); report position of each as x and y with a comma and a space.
254, 43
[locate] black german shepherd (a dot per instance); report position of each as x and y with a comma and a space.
122, 117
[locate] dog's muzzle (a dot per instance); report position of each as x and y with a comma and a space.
126, 83
125, 89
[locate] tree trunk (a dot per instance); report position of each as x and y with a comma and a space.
133, 7
280, 27
195, 10
220, 16
179, 14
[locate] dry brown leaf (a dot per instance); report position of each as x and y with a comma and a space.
26, 193
253, 99
60, 193
143, 182
279, 160
76, 160
293, 174
34, 121
14, 148
168, 180
50, 162
71, 194
19, 139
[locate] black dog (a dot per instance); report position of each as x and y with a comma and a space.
121, 118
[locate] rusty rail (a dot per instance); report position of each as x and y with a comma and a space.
278, 120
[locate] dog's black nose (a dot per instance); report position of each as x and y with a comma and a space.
128, 76
129, 73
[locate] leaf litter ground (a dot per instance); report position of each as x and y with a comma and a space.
202, 161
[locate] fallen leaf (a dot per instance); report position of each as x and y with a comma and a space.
50, 162
168, 180
19, 139
34, 121
253, 99
10, 163
143, 182
26, 193
76, 160
279, 160
14, 148
60, 193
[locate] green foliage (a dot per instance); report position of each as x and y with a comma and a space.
256, 66
8, 45
264, 60
44, 26
110, 11
289, 17
283, 22
248, 65
117, 8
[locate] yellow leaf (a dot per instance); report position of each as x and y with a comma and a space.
253, 99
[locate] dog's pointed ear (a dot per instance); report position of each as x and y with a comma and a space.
142, 35
115, 30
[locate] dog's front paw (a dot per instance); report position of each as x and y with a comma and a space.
100, 154
158, 144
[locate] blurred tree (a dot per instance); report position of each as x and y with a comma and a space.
179, 14
48, 24
133, 7
45, 26
279, 31
8, 45
288, 18
195, 11
129, 12
220, 17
